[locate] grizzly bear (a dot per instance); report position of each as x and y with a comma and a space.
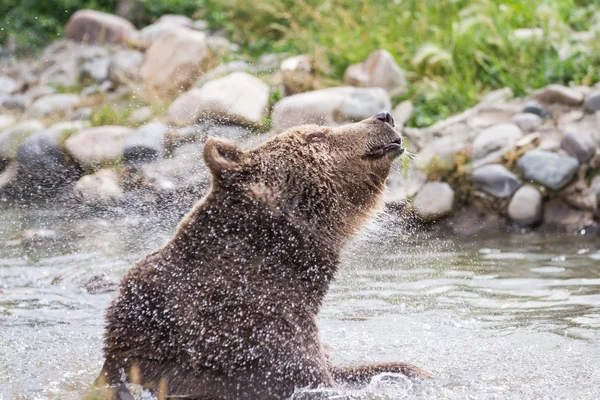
226, 309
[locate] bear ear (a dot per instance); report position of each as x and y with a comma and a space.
221, 155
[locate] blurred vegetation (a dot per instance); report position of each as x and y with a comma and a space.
453, 51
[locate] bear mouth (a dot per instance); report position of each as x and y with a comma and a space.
394, 147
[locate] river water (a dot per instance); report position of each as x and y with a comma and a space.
504, 316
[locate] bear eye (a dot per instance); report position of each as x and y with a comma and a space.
315, 137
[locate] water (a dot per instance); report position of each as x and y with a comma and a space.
494, 317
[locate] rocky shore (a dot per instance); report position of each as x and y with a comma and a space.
115, 118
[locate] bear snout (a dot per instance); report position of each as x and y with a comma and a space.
386, 117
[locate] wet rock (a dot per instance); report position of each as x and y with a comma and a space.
146, 144
592, 101
237, 98
12, 137
88, 26
296, 74
43, 165
8, 176
496, 180
558, 215
496, 139
125, 66
62, 104
6, 121
378, 70
400, 188
528, 122
332, 106
95, 70
558, 94
402, 113
434, 201
141, 115
99, 189
525, 207
15, 102
98, 146
8, 85
580, 145
536, 109
472, 219
175, 60
187, 134
549, 169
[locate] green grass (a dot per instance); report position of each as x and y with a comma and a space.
454, 51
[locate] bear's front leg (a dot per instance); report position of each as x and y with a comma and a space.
360, 375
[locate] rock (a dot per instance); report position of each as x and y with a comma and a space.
442, 149
43, 165
8, 177
580, 145
570, 117
98, 146
62, 104
64, 75
150, 33
296, 74
6, 121
141, 115
146, 144
434, 201
496, 180
99, 189
536, 109
95, 70
125, 66
378, 70
200, 25
12, 137
592, 101
499, 138
83, 113
558, 94
549, 169
332, 106
528, 122
231, 132
238, 98
88, 26
525, 207
595, 185
558, 215
8, 85
175, 60
402, 113
219, 46
175, 19
15, 102
187, 134
39, 91
225, 69
68, 127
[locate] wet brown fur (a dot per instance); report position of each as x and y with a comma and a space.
226, 309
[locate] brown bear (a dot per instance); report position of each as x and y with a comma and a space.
226, 309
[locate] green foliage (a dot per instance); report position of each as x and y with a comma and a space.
110, 115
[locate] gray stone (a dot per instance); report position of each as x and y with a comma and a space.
378, 70
146, 145
98, 146
39, 91
592, 101
62, 104
141, 115
12, 137
83, 113
536, 109
8, 85
498, 138
558, 94
220, 46
402, 113
580, 145
6, 121
332, 106
68, 127
496, 180
8, 177
43, 165
95, 70
595, 185
125, 66
552, 170
101, 189
525, 207
528, 122
88, 26
296, 74
231, 132
15, 102
434, 201
225, 69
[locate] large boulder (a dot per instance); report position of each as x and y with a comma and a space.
98, 146
54, 104
8, 85
150, 33
175, 60
496, 180
89, 26
525, 207
239, 98
496, 139
146, 145
100, 189
96, 70
552, 170
378, 70
43, 165
12, 137
434, 201
125, 65
332, 106
296, 74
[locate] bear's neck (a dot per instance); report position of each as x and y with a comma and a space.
246, 238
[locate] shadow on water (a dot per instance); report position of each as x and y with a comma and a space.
496, 316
